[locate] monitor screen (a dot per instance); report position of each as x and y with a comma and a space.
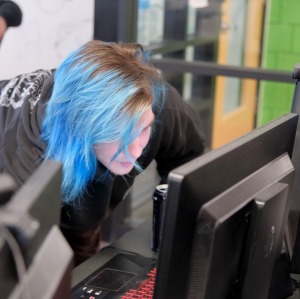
215, 206
35, 259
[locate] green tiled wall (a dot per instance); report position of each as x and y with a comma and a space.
281, 50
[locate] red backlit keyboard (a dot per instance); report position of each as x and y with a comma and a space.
145, 289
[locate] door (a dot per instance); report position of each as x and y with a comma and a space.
239, 44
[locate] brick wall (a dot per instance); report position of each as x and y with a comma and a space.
281, 50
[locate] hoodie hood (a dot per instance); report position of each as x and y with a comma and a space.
22, 104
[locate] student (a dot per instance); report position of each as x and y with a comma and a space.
105, 113
10, 16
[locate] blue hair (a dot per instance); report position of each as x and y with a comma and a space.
100, 91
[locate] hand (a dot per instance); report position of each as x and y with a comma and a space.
3, 27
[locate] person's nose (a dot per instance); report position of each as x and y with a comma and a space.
135, 148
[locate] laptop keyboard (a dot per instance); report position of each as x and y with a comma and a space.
145, 289
123, 277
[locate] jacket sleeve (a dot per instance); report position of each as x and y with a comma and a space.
11, 12
80, 221
181, 137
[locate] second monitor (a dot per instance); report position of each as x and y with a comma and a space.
225, 217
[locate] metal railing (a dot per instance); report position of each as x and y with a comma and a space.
214, 69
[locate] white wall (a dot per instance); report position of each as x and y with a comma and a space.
49, 31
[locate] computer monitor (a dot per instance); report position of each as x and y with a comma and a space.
35, 259
295, 208
225, 217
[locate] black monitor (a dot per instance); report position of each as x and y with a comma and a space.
35, 259
225, 217
295, 208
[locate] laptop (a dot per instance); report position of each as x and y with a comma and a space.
126, 270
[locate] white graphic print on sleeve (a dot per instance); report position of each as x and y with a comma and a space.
25, 87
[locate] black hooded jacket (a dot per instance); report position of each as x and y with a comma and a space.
177, 139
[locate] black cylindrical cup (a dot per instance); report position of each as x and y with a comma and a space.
159, 197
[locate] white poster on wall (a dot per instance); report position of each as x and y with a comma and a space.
49, 31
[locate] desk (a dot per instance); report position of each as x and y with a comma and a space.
137, 240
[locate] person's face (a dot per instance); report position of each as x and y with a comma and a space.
121, 165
